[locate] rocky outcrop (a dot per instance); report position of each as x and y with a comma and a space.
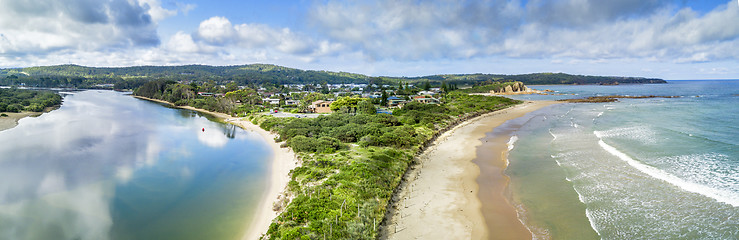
514, 88
611, 98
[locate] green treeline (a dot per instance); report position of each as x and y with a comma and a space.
263, 74
351, 163
187, 95
16, 100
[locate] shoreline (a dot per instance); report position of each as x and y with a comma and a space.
12, 119
442, 198
283, 160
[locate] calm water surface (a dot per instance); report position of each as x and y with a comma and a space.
108, 166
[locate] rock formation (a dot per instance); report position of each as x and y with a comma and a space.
514, 88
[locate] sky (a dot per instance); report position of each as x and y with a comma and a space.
670, 39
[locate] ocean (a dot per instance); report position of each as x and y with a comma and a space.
654, 168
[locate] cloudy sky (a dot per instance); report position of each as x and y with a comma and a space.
672, 39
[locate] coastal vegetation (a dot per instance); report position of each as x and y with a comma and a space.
17, 100
352, 163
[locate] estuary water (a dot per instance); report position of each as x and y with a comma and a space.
656, 168
108, 166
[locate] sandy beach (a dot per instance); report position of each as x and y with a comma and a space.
283, 161
441, 199
12, 119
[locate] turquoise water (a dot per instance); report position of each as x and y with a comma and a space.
109, 166
659, 168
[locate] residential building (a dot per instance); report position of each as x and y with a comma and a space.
394, 101
271, 100
426, 100
320, 107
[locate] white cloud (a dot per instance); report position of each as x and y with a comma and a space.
216, 30
45, 26
375, 36
182, 42
39, 27
220, 32
584, 29
156, 11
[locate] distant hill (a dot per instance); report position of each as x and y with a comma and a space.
81, 76
538, 78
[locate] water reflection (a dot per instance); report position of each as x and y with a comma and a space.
80, 172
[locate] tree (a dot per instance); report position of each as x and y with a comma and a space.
426, 86
366, 107
232, 86
383, 98
349, 102
245, 96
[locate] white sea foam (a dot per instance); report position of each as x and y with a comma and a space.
642, 134
554, 137
717, 194
590, 219
511, 142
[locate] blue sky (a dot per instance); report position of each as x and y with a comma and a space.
670, 39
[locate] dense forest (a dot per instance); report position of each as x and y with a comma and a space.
16, 100
351, 163
259, 74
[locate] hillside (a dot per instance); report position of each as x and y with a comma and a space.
81, 76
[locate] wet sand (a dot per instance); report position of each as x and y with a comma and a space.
442, 198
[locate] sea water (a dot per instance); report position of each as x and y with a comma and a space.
653, 168
109, 166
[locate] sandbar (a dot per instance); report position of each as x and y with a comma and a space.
12, 119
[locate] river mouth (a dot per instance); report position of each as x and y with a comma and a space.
109, 166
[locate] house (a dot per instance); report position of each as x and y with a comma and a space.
320, 107
394, 101
292, 102
426, 100
271, 100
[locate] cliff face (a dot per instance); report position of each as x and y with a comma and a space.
514, 88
